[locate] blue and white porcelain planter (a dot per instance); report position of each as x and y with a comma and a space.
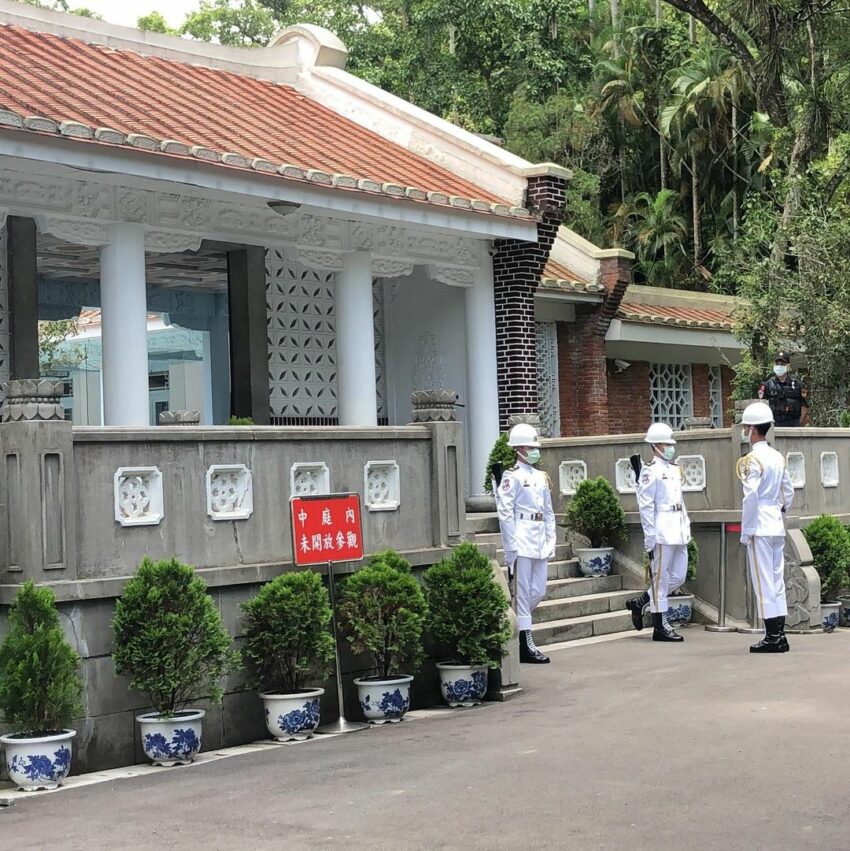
462, 685
293, 717
680, 610
844, 611
384, 701
174, 740
38, 762
595, 561
829, 615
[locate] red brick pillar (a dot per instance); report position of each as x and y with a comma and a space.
727, 376
517, 268
701, 390
629, 403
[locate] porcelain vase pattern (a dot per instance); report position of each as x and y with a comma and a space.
38, 762
462, 685
175, 740
293, 717
680, 610
384, 701
829, 616
595, 561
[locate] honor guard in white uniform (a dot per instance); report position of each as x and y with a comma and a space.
666, 531
527, 523
768, 493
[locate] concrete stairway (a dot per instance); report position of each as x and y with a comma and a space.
575, 606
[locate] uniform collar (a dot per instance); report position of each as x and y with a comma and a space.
755, 446
523, 466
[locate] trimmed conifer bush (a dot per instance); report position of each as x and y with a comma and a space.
502, 454
169, 638
467, 608
595, 513
40, 687
829, 542
287, 634
382, 612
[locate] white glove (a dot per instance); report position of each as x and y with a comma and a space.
648, 545
745, 539
510, 558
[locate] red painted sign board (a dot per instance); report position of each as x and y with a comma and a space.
326, 528
733, 528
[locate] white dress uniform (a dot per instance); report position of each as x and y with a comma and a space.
527, 523
666, 528
767, 490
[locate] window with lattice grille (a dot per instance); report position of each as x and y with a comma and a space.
671, 393
548, 405
715, 396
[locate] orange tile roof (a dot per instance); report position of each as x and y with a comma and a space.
686, 317
556, 276
63, 85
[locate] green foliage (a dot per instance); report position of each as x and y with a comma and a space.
382, 611
155, 22
693, 560
829, 542
239, 23
468, 609
54, 352
844, 419
169, 638
240, 421
595, 513
287, 634
502, 454
40, 688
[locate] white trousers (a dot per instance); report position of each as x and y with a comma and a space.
669, 569
530, 587
766, 557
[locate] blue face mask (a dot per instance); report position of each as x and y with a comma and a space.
780, 370
533, 456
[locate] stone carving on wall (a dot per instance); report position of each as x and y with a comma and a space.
802, 584
31, 399
310, 478
796, 463
230, 492
693, 469
138, 496
829, 469
624, 476
382, 485
428, 364
454, 276
570, 475
383, 267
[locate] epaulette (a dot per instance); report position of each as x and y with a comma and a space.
650, 462
747, 464
549, 482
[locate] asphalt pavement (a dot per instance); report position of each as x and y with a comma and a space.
620, 745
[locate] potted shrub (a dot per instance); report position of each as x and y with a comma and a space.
287, 643
40, 691
468, 616
170, 641
829, 542
502, 454
595, 513
382, 612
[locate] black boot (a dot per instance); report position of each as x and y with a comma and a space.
663, 631
784, 647
636, 606
528, 651
772, 641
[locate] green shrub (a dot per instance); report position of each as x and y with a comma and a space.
502, 454
595, 512
382, 612
467, 608
40, 689
169, 638
286, 632
829, 542
240, 421
693, 560
844, 419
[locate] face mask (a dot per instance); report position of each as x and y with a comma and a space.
533, 456
669, 453
780, 370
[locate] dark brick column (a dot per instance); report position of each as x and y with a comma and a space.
517, 267
629, 405
23, 296
700, 389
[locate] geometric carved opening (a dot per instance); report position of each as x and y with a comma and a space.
309, 478
381, 484
138, 496
230, 492
693, 470
829, 474
796, 463
570, 475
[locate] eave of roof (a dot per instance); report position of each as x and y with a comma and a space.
682, 317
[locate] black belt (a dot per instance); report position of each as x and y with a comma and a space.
537, 517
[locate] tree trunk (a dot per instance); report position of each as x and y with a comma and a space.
697, 224
591, 9
658, 11
662, 161
736, 223
615, 25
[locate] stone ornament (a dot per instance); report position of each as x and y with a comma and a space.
433, 406
382, 485
693, 470
180, 418
829, 469
138, 496
570, 475
32, 399
309, 478
624, 476
230, 492
796, 464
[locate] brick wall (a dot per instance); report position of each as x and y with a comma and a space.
629, 408
701, 390
517, 267
726, 376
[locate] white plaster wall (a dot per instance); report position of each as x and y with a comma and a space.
414, 306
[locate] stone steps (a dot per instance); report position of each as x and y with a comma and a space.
564, 569
586, 626
577, 607
558, 589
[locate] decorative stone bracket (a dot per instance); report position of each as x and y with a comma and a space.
433, 406
32, 399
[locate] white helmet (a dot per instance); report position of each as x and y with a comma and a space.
659, 433
757, 413
522, 434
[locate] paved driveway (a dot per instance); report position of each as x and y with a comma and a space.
622, 745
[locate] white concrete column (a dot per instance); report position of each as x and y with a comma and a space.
357, 395
481, 374
123, 300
